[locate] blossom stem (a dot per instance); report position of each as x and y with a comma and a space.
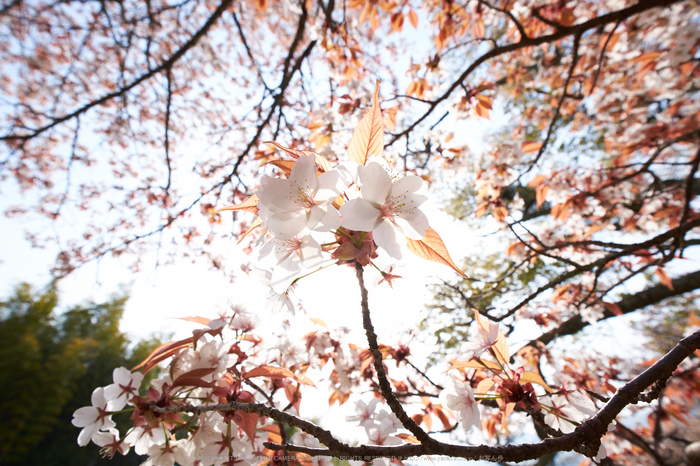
312, 272
384, 385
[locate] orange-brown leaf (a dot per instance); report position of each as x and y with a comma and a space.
408, 437
541, 193
197, 319
247, 422
368, 137
538, 179
433, 249
284, 165
269, 371
485, 101
534, 377
318, 321
443, 418
278, 373
481, 110
664, 278
612, 307
321, 161
249, 205
256, 224
530, 147
474, 364
161, 353
484, 386
413, 18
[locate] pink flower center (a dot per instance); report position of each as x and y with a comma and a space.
391, 208
305, 199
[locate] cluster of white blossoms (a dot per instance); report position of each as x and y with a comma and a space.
96, 420
298, 208
379, 425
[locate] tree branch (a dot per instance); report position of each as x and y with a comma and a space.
585, 439
647, 297
168, 64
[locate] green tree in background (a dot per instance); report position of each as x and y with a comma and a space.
49, 365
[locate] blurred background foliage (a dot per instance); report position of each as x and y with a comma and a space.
50, 362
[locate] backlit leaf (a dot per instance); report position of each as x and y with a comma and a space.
433, 249
534, 377
249, 205
368, 137
664, 278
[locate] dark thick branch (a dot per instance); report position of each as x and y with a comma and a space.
166, 65
586, 437
384, 384
647, 297
655, 241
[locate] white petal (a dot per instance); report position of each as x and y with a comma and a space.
376, 184
98, 398
304, 174
413, 224
121, 375
582, 403
387, 237
85, 416
314, 216
405, 185
277, 194
285, 225
284, 273
116, 404
311, 256
358, 215
330, 185
330, 220
86, 434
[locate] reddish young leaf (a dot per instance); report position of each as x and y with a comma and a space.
192, 382
368, 137
247, 422
162, 353
433, 249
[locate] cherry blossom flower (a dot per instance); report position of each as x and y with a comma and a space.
562, 415
459, 397
275, 301
380, 433
93, 418
126, 384
291, 257
306, 440
483, 340
144, 436
301, 202
174, 451
364, 412
111, 443
388, 209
